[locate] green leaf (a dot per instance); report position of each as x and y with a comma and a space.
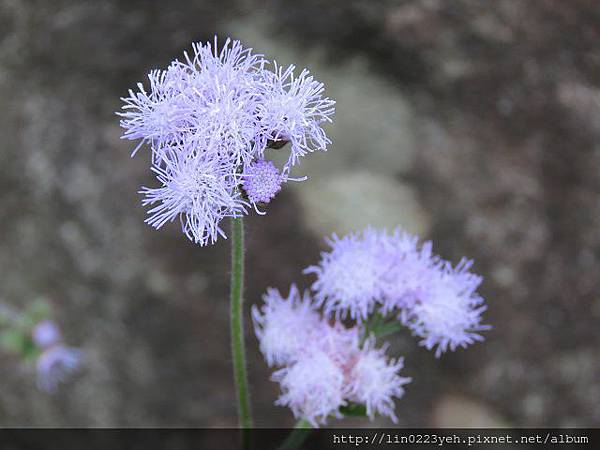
30, 351
354, 410
387, 328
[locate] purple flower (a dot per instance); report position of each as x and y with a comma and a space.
55, 365
262, 181
161, 115
374, 381
312, 387
373, 270
323, 364
349, 277
408, 272
224, 101
218, 110
46, 334
292, 108
208, 100
449, 313
284, 325
198, 191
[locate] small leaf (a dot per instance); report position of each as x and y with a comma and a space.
354, 410
387, 328
29, 350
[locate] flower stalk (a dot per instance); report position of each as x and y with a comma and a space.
298, 435
238, 348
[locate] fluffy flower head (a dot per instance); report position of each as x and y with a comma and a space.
374, 381
312, 387
292, 109
449, 314
285, 325
200, 192
324, 365
208, 99
158, 116
349, 277
374, 269
219, 110
410, 270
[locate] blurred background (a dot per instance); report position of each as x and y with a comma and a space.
475, 124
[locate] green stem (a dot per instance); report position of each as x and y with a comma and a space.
298, 436
238, 348
370, 328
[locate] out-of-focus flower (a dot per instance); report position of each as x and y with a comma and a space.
409, 270
373, 269
374, 381
349, 277
285, 325
208, 120
46, 334
312, 387
449, 315
339, 342
324, 365
55, 365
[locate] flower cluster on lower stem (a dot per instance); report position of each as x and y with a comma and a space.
324, 342
322, 364
376, 271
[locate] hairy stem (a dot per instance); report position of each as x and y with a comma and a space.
238, 348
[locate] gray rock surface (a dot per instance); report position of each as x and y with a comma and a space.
361, 199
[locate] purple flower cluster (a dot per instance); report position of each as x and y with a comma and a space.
57, 362
322, 366
208, 121
373, 270
262, 181
369, 279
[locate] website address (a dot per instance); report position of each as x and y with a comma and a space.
468, 440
